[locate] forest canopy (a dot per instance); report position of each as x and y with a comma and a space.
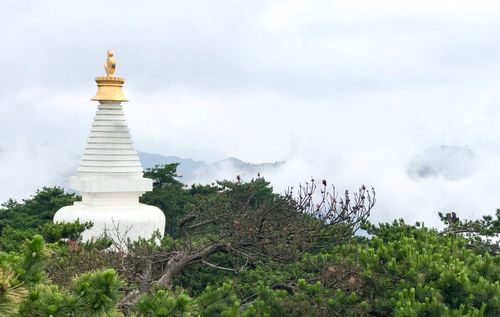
236, 248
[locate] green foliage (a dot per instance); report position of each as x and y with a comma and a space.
92, 294
48, 300
170, 195
34, 261
221, 301
482, 234
175, 200
35, 211
421, 272
11, 238
20, 221
12, 293
399, 270
347, 304
54, 232
163, 303
255, 192
487, 225
268, 303
98, 292
198, 277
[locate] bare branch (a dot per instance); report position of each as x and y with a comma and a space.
218, 267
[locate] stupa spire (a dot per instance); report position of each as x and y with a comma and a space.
109, 87
110, 175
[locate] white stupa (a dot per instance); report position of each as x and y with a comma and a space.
110, 176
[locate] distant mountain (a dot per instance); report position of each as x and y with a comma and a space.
448, 161
186, 167
193, 171
230, 168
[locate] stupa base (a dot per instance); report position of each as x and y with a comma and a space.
118, 222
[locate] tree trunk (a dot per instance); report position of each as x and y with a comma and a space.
174, 267
179, 262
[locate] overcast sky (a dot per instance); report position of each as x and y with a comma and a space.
351, 91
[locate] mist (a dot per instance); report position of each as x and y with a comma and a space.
354, 93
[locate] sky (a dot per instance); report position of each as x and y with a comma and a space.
399, 95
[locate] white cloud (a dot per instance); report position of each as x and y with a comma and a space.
347, 91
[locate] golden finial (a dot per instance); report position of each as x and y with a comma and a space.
109, 88
110, 64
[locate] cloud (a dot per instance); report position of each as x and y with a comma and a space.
347, 91
450, 162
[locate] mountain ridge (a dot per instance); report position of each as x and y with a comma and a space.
193, 171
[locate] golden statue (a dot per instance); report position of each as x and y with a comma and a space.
109, 87
110, 64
